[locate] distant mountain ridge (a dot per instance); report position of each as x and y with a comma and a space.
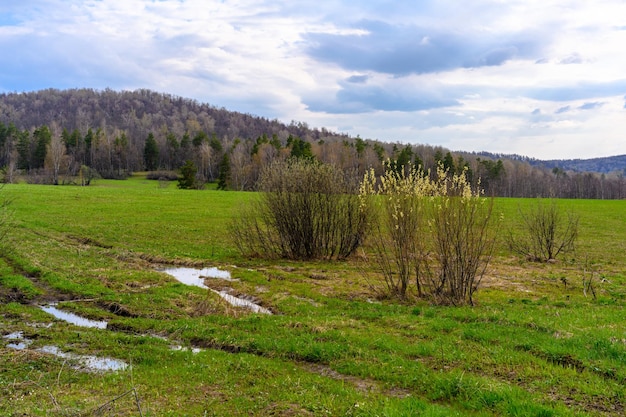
603, 165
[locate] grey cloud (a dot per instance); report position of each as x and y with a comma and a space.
357, 79
361, 98
590, 106
572, 59
563, 110
403, 50
536, 112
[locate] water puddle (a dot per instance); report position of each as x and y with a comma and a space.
17, 341
180, 348
93, 363
195, 277
89, 362
73, 318
242, 302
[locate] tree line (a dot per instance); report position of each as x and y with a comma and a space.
55, 136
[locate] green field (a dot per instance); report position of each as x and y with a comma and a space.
534, 344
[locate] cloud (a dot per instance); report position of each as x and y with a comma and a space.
409, 49
590, 106
358, 79
562, 110
574, 58
367, 94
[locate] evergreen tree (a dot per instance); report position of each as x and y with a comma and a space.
42, 137
188, 179
299, 148
88, 140
224, 175
23, 150
151, 153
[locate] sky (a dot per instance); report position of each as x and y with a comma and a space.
540, 78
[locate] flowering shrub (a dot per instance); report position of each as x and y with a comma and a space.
433, 231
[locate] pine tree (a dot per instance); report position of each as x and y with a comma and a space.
151, 153
224, 175
188, 179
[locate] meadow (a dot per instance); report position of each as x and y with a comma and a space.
535, 343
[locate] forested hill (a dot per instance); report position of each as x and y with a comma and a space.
601, 165
137, 113
68, 136
604, 165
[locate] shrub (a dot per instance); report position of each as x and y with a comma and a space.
162, 175
188, 179
463, 239
306, 210
397, 235
436, 232
543, 232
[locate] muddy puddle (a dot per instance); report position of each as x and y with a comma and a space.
242, 302
195, 277
17, 341
73, 318
88, 362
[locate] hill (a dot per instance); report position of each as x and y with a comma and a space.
602, 165
137, 113
114, 133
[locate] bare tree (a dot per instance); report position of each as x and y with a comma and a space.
55, 155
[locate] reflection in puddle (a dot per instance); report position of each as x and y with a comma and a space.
90, 362
242, 302
73, 318
18, 341
195, 277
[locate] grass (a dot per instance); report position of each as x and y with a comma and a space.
534, 345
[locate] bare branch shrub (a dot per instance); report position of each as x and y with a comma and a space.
543, 232
463, 239
436, 232
397, 235
306, 210
589, 272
